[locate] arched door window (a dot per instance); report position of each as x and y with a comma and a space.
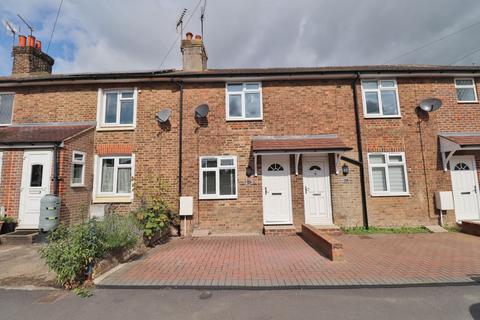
275, 167
461, 167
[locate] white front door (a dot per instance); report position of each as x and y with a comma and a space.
36, 177
316, 190
465, 187
277, 199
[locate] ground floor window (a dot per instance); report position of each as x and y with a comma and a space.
388, 174
78, 169
218, 177
115, 175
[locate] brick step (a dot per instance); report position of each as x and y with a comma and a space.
330, 229
283, 230
19, 237
471, 227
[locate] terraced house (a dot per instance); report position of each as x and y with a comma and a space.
278, 147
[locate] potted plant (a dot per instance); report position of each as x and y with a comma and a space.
9, 224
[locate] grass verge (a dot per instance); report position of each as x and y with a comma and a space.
389, 230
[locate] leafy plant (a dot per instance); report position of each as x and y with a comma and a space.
7, 219
71, 250
83, 292
154, 213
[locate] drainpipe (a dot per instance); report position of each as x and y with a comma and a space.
360, 152
55, 169
180, 137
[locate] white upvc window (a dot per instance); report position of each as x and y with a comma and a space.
380, 99
388, 174
6, 108
117, 109
78, 169
244, 101
114, 176
466, 91
218, 177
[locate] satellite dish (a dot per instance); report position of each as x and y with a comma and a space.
430, 105
163, 115
201, 111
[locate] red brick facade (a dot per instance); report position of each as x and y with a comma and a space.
290, 107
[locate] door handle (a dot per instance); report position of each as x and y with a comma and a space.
306, 190
265, 190
475, 188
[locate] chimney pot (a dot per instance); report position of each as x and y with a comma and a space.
31, 41
198, 37
22, 41
189, 35
38, 45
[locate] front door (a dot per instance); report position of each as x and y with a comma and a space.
277, 200
316, 190
465, 187
36, 175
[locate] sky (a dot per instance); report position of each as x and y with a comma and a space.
126, 35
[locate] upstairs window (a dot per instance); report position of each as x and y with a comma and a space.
118, 109
388, 174
78, 169
218, 177
6, 108
244, 101
380, 99
466, 91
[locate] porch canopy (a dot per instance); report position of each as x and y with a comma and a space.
43, 135
298, 145
457, 141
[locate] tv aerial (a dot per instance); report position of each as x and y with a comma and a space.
27, 24
180, 20
202, 15
11, 29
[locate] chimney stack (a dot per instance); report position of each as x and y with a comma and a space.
29, 59
194, 54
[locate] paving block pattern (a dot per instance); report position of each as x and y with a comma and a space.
289, 262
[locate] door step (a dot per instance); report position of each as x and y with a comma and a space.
284, 230
471, 227
19, 237
329, 229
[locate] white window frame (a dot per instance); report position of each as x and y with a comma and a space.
217, 177
82, 162
242, 93
378, 90
98, 194
13, 109
101, 108
472, 86
387, 176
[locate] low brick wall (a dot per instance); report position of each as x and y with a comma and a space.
323, 242
471, 227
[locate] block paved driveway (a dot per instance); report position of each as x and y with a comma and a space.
289, 262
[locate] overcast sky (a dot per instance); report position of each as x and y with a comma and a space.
117, 35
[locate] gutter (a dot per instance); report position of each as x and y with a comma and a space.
360, 152
180, 137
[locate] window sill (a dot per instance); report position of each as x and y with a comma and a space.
218, 198
77, 185
113, 199
116, 128
243, 120
379, 195
468, 102
382, 117
5, 124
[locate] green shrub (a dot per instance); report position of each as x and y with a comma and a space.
120, 231
70, 250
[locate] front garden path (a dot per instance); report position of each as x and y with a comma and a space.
289, 262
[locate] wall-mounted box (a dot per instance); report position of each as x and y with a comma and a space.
186, 206
444, 200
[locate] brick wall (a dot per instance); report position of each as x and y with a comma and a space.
11, 181
290, 108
